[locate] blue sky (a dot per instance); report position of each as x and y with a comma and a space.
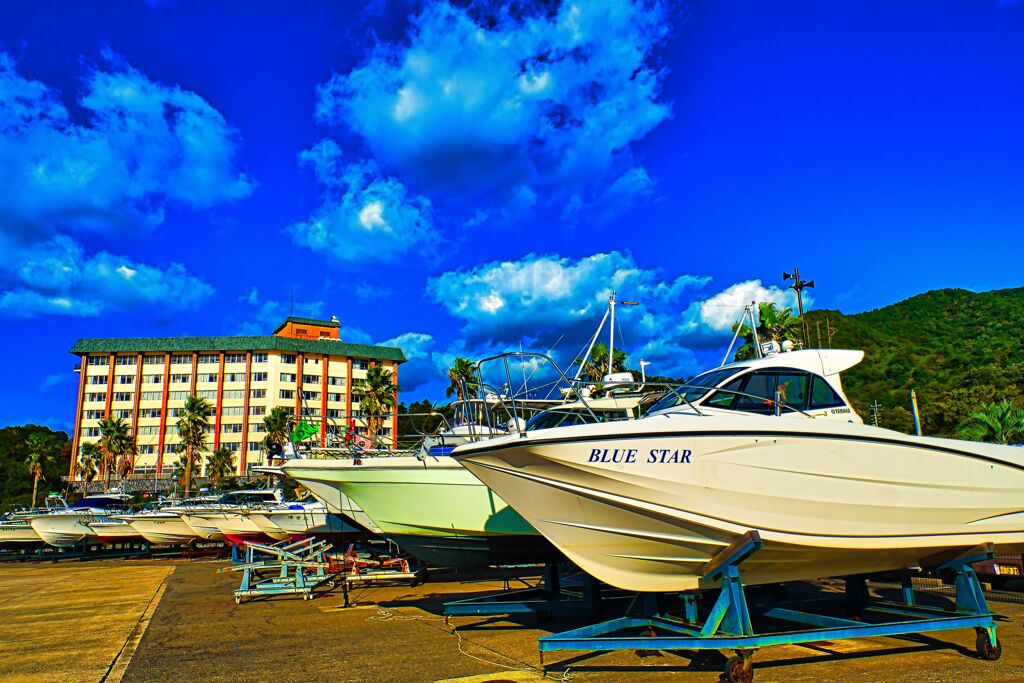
464, 178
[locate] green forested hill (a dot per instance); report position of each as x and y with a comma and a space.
954, 347
15, 480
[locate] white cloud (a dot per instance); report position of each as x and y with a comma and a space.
266, 314
723, 310
359, 199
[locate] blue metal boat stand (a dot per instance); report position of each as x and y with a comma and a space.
728, 625
552, 594
284, 568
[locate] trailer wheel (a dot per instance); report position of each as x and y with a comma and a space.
985, 649
738, 670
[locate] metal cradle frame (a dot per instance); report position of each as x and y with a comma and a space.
728, 625
284, 568
552, 595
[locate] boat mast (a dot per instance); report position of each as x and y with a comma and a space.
611, 333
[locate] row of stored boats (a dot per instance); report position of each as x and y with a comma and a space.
234, 517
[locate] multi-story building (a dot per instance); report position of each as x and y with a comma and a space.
303, 367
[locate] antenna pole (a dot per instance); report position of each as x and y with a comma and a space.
611, 334
798, 286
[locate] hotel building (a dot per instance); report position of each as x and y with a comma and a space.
303, 366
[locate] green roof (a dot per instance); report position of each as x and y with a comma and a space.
306, 321
243, 343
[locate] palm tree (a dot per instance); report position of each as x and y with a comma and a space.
772, 325
462, 376
596, 367
220, 466
380, 396
276, 425
38, 447
117, 447
193, 424
1001, 422
88, 465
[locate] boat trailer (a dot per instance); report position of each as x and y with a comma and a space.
296, 568
728, 624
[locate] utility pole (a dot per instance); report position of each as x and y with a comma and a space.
917, 415
828, 330
798, 286
876, 413
817, 324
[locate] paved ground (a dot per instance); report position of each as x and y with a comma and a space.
197, 633
71, 622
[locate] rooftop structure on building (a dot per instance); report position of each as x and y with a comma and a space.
303, 366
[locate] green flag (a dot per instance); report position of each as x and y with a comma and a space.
303, 431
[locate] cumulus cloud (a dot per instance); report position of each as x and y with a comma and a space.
721, 311
422, 365
137, 146
56, 277
364, 214
515, 110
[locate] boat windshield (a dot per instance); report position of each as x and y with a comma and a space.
564, 417
694, 388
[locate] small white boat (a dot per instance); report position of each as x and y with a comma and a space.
114, 530
210, 521
162, 527
17, 533
299, 520
67, 527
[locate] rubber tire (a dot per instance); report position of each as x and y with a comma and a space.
738, 670
985, 649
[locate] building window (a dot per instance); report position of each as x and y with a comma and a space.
207, 377
95, 396
287, 393
150, 396
125, 360
181, 359
150, 412
148, 430
234, 393
231, 445
209, 358
259, 377
259, 358
179, 379
258, 393
234, 376
336, 381
152, 360
254, 446
231, 410
234, 358
98, 360
178, 395
285, 377
288, 358
334, 397
361, 364
257, 428
170, 448
310, 412
125, 379
311, 395
91, 431
334, 412
208, 394
98, 379
124, 395
93, 415
126, 413
153, 379
176, 412
257, 410
310, 379
301, 331
313, 361
147, 449
231, 429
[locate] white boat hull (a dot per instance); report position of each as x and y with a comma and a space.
114, 531
645, 510
340, 504
204, 528
64, 530
291, 523
15, 534
164, 529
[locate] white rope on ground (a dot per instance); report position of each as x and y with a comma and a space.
390, 615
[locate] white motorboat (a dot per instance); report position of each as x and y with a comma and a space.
229, 513
115, 529
64, 528
162, 527
299, 520
770, 445
17, 533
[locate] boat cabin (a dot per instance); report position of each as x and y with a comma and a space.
794, 383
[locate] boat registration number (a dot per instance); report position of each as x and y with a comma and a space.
1007, 570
